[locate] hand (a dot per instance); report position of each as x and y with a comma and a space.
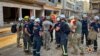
41, 33
29, 34
57, 28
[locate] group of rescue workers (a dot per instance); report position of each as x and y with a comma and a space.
38, 32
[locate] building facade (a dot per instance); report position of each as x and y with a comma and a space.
68, 7
11, 10
95, 6
72, 7
79, 7
86, 6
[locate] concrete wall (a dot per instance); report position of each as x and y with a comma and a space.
1, 16
86, 6
20, 6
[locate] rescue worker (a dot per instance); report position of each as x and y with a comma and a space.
19, 31
76, 30
57, 34
26, 33
85, 27
31, 25
53, 20
72, 28
95, 27
46, 33
41, 20
37, 38
65, 30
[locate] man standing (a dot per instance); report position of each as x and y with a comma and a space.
19, 31
77, 35
46, 37
76, 28
57, 34
85, 27
65, 30
26, 33
31, 25
95, 27
37, 40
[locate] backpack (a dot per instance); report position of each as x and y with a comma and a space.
13, 28
65, 28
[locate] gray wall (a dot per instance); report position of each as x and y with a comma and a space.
1, 15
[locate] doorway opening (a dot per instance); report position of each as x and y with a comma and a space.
48, 12
10, 14
38, 13
25, 12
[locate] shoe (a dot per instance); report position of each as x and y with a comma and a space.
29, 53
64, 55
48, 49
95, 51
34, 53
51, 41
74, 53
82, 53
26, 50
58, 47
19, 45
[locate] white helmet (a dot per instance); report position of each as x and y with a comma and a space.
32, 17
62, 16
84, 15
58, 19
20, 19
96, 18
37, 20
72, 17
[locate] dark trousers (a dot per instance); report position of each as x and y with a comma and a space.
31, 38
37, 46
51, 35
94, 42
86, 37
58, 38
64, 42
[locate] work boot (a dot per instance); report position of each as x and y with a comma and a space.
51, 40
64, 55
19, 46
74, 53
95, 51
26, 50
58, 46
82, 54
48, 49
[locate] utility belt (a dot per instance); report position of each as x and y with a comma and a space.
45, 30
